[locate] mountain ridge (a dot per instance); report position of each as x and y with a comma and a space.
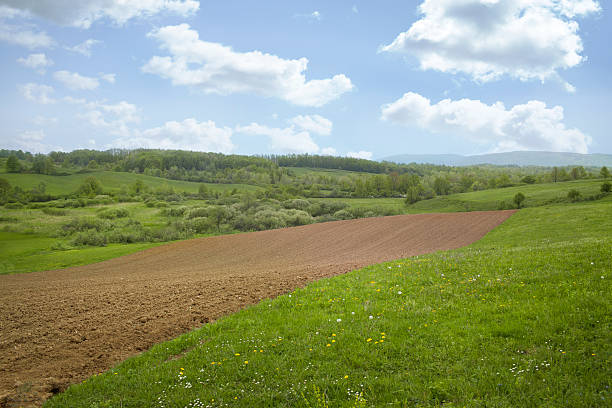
518, 158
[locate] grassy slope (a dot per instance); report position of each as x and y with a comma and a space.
536, 195
521, 318
111, 181
486, 200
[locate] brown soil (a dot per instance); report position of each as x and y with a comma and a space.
60, 327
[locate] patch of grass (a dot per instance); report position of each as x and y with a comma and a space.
112, 181
521, 318
535, 195
27, 253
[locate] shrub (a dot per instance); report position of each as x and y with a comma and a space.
528, 180
518, 199
573, 195
85, 224
606, 187
343, 215
13, 206
197, 212
173, 211
201, 225
54, 211
297, 217
112, 213
297, 204
91, 237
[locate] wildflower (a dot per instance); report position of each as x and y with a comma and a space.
328, 345
369, 340
338, 320
371, 317
345, 377
237, 354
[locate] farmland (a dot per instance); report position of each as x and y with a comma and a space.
469, 327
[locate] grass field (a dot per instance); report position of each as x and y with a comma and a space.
485, 200
112, 181
520, 318
535, 195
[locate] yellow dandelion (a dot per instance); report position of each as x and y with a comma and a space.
237, 354
345, 377
328, 345
333, 341
369, 340
246, 362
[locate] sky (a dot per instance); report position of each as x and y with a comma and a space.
365, 79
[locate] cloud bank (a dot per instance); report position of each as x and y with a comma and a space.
530, 126
215, 68
487, 39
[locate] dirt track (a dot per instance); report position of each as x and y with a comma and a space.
60, 327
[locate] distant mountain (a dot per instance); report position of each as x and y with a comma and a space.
510, 158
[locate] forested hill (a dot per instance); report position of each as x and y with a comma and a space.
508, 159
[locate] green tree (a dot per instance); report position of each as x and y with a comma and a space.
518, 199
218, 215
13, 165
90, 187
528, 180
554, 174
604, 172
5, 188
202, 190
441, 186
605, 187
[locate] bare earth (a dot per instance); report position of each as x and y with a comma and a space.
60, 327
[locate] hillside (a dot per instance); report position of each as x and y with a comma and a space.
510, 158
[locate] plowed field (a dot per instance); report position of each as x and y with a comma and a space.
60, 327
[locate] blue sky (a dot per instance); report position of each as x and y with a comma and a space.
358, 78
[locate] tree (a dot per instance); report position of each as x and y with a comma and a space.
203, 190
605, 187
12, 164
528, 180
90, 187
554, 174
604, 172
518, 199
5, 188
441, 186
218, 215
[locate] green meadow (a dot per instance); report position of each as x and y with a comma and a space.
112, 181
520, 318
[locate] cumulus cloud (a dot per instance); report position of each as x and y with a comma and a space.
38, 62
85, 47
75, 81
21, 33
487, 39
33, 141
285, 140
360, 155
110, 78
83, 13
186, 135
313, 123
37, 92
215, 68
112, 117
530, 126
329, 151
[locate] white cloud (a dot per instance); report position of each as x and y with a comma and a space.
84, 48
83, 13
75, 81
33, 141
215, 68
487, 39
22, 34
355, 9
360, 155
115, 118
110, 78
531, 126
39, 62
37, 93
285, 140
44, 120
315, 15
329, 151
313, 123
186, 135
